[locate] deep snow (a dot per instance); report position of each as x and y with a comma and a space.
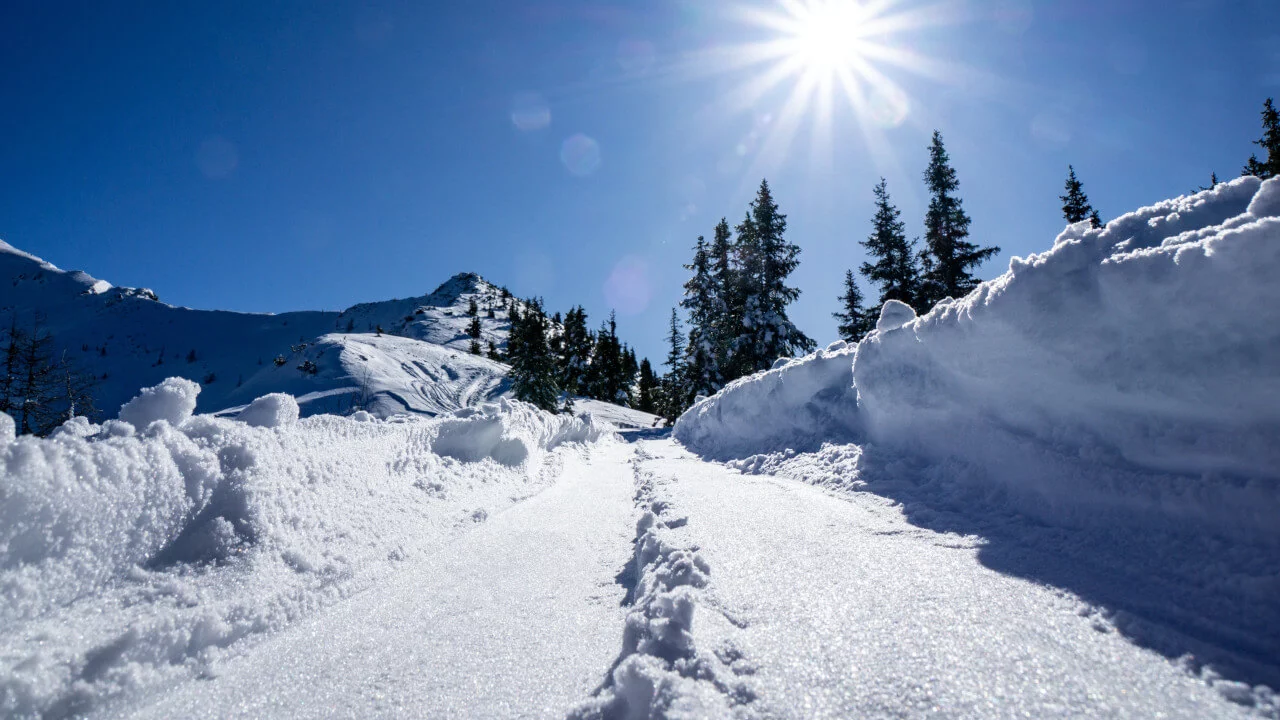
134, 552
1104, 416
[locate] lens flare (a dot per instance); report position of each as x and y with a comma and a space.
580, 155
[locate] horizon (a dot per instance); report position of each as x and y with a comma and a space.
353, 151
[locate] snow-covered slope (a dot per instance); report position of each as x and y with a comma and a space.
416, 365
1129, 374
136, 551
1105, 416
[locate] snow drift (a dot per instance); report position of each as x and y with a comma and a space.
1128, 374
139, 548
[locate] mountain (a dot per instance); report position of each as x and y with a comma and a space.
331, 361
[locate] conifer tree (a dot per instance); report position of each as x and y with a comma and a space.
1270, 142
14, 340
647, 390
894, 269
673, 384
854, 322
36, 383
1075, 204
532, 368
726, 304
948, 256
768, 259
700, 301
575, 352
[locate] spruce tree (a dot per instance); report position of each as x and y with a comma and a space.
674, 394
700, 301
1075, 204
894, 269
532, 368
37, 383
575, 352
14, 340
854, 322
768, 259
947, 256
647, 390
726, 304
1270, 142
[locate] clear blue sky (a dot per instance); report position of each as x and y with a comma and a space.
274, 156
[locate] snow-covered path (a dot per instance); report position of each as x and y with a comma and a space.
519, 617
826, 606
816, 605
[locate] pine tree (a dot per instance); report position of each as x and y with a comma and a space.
700, 301
947, 256
894, 269
726, 303
36, 385
76, 394
1075, 204
768, 259
532, 368
14, 340
575, 352
674, 394
1213, 183
493, 352
647, 392
854, 321
1270, 141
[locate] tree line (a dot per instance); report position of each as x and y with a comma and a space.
38, 389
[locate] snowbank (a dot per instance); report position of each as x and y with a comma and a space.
796, 405
127, 555
1129, 374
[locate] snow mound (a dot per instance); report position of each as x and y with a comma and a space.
893, 315
661, 672
1127, 375
801, 403
173, 401
128, 558
274, 410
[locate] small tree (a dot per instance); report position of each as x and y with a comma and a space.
948, 256
894, 269
532, 369
854, 322
647, 395
1075, 204
1270, 142
674, 392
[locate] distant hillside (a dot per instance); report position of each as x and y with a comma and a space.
130, 340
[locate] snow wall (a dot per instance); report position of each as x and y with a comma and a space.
1128, 374
140, 548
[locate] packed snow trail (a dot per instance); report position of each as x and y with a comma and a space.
823, 606
517, 618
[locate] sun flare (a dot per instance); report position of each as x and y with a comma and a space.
825, 53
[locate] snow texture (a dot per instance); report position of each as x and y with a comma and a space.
139, 550
1104, 413
271, 411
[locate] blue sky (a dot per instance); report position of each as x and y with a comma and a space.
298, 155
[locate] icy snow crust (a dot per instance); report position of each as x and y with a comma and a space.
1106, 413
143, 548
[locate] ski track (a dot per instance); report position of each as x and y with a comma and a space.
824, 606
743, 596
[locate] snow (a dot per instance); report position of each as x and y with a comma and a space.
515, 615
816, 605
1125, 375
130, 558
1103, 416
172, 401
131, 340
274, 410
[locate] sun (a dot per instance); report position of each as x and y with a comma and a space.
825, 36
822, 54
